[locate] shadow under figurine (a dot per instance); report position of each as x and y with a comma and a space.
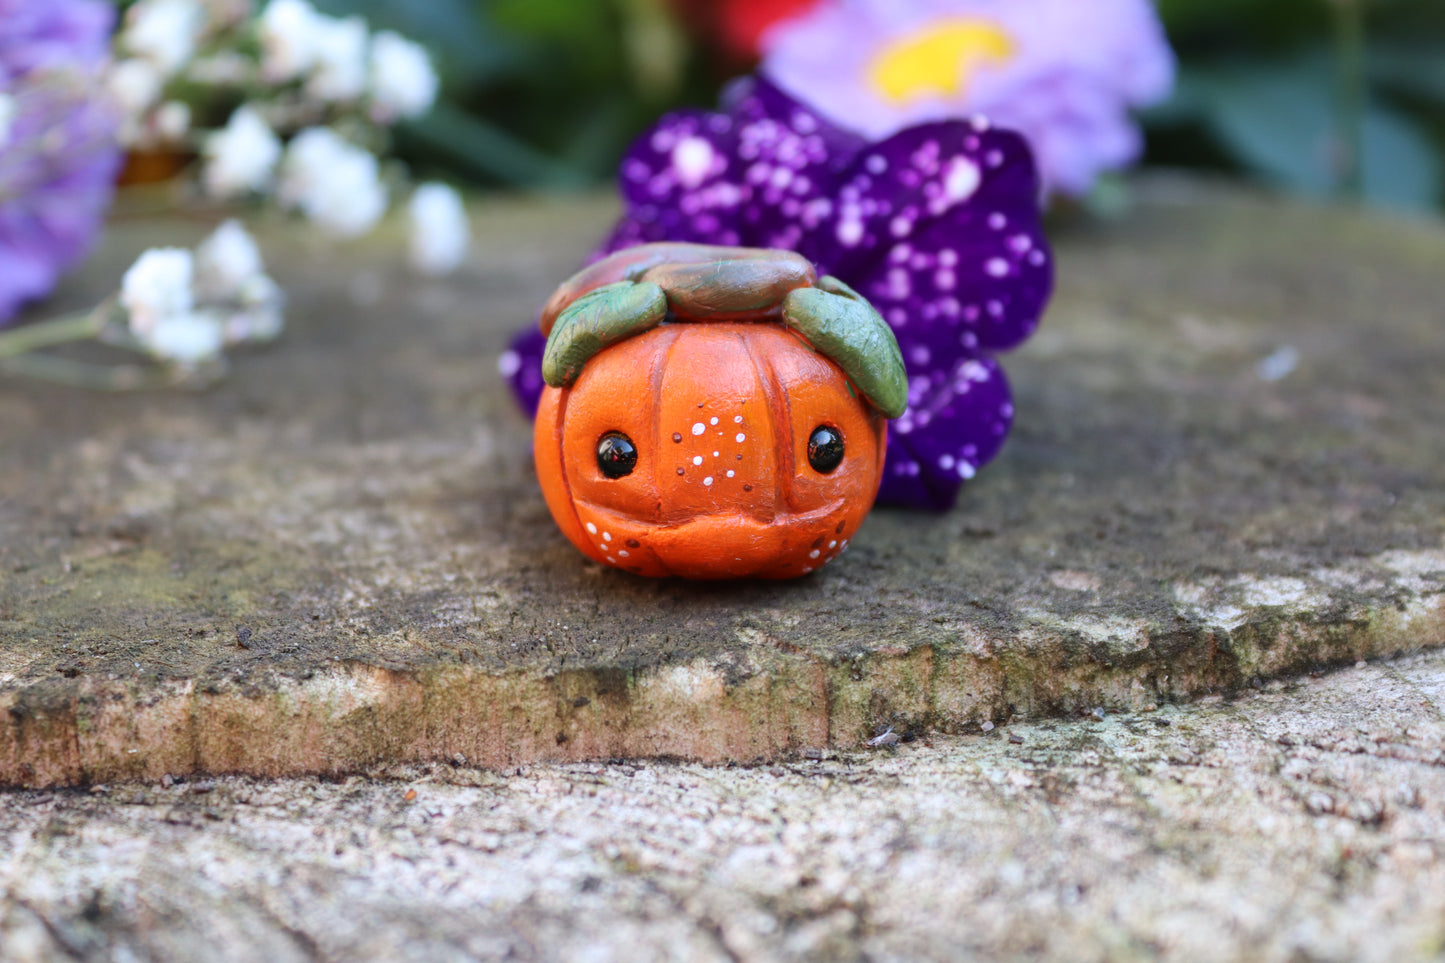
713, 412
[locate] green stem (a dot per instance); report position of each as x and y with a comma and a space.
83, 374
63, 330
1350, 54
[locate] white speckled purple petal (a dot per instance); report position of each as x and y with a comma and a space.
939, 226
683, 178
521, 365
957, 420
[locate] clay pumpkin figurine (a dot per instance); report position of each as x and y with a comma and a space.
713, 412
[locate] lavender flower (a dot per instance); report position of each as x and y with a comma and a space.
1063, 72
59, 160
937, 225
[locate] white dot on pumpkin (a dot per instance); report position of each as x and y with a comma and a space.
814, 553
607, 536
697, 459
707, 480
737, 419
740, 438
731, 473
591, 529
713, 421
699, 428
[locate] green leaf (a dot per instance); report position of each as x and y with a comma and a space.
1282, 121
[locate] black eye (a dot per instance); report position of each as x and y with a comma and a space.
616, 455
825, 449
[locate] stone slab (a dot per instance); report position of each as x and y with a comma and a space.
339, 557
1301, 822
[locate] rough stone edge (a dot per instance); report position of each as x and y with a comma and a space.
346, 718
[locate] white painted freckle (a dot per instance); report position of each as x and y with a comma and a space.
612, 560
740, 438
731, 473
591, 529
707, 480
713, 421
624, 553
737, 419
833, 543
699, 428
814, 553
607, 536
697, 459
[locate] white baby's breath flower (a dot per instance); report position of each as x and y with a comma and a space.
308, 156
349, 201
225, 261
336, 184
440, 232
164, 32
339, 72
186, 339
134, 85
403, 83
7, 117
173, 121
256, 314
231, 284
241, 157
288, 31
157, 286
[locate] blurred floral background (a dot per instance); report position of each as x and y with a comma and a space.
1320, 97
337, 111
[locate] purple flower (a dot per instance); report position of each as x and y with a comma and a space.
1063, 72
937, 225
58, 153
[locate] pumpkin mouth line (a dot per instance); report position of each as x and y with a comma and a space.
616, 520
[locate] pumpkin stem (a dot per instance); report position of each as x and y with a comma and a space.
594, 321
844, 327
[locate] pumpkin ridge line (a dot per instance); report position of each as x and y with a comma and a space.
780, 417
662, 360
559, 437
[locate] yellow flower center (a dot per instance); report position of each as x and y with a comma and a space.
938, 59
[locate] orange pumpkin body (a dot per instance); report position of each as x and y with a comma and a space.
720, 415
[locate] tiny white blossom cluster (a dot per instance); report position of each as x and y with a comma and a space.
308, 63
318, 88
185, 307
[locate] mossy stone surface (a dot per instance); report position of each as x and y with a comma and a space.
340, 556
